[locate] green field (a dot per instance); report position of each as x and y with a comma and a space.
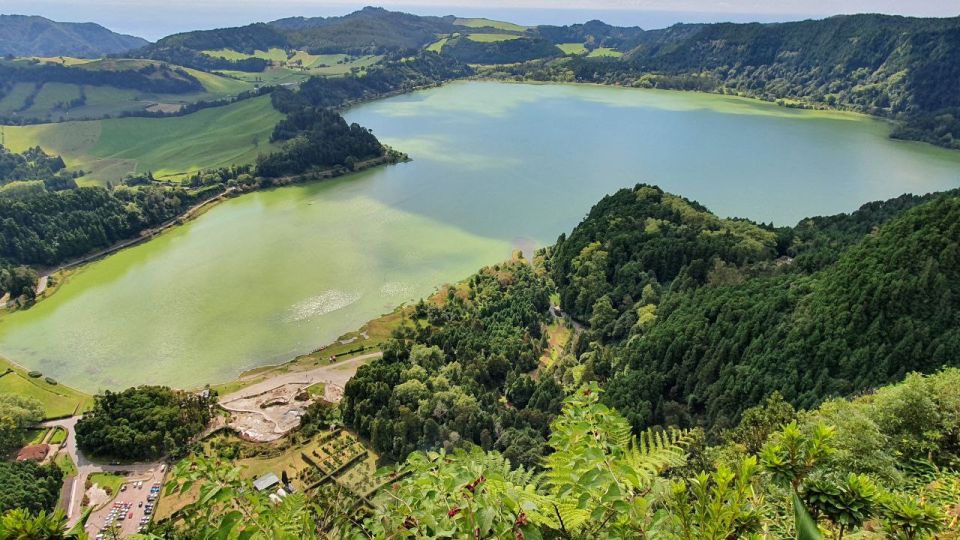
110, 149
102, 101
301, 67
58, 400
274, 54
572, 48
14, 100
66, 464
604, 52
437, 46
59, 435
53, 98
489, 23
65, 60
491, 38
35, 436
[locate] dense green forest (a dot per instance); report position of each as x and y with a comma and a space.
696, 318
396, 74
33, 165
442, 379
30, 486
47, 228
146, 422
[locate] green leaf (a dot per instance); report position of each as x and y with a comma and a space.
806, 526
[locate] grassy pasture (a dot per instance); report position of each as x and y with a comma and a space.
437, 46
66, 464
301, 67
65, 60
15, 99
572, 48
59, 435
274, 55
491, 38
169, 147
52, 98
604, 52
490, 23
58, 400
102, 101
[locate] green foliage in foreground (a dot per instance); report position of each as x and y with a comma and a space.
20, 524
145, 422
599, 481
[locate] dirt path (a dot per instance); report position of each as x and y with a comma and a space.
268, 410
338, 373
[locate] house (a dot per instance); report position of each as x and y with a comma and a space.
266, 482
34, 452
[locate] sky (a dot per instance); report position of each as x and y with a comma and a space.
154, 19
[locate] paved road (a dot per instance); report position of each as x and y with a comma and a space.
85, 467
337, 373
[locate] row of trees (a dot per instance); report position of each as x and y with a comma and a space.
155, 78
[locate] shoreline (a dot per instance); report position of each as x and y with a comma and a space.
198, 209
190, 214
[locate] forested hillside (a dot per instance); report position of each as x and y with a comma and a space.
704, 317
22, 35
444, 379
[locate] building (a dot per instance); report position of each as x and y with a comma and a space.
266, 482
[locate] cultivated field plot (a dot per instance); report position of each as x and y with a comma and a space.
491, 38
572, 48
108, 150
301, 66
330, 456
489, 23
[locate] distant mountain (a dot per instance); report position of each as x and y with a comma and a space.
371, 29
246, 39
23, 35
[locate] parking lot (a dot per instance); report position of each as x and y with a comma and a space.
131, 509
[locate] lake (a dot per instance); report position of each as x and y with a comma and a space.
264, 277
